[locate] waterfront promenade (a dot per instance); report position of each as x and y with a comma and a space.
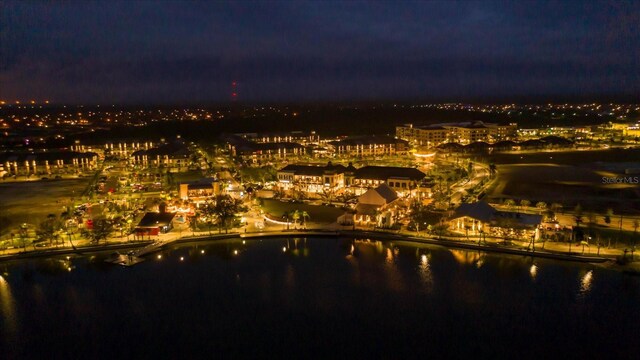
551, 250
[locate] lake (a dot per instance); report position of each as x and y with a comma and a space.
316, 297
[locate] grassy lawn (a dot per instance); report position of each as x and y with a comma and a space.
317, 213
186, 176
32, 201
567, 185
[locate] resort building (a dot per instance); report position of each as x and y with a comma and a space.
47, 162
174, 157
119, 149
312, 178
199, 190
403, 180
480, 218
376, 207
365, 146
154, 223
463, 133
301, 137
629, 129
258, 153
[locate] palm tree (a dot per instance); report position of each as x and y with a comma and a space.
305, 216
555, 207
295, 216
509, 203
286, 216
636, 225
577, 217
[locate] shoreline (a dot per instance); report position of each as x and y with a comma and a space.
320, 233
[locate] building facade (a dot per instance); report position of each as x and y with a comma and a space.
463, 133
174, 157
369, 146
312, 178
47, 163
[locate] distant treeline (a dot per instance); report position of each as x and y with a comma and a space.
326, 122
324, 119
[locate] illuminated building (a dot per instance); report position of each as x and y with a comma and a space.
463, 133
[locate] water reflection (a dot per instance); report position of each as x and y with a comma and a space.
8, 307
585, 283
389, 256
299, 247
533, 271
380, 285
424, 271
468, 257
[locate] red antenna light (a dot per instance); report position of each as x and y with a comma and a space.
234, 90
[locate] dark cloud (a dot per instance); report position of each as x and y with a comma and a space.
191, 51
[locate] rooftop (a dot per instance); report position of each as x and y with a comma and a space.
368, 140
155, 219
388, 172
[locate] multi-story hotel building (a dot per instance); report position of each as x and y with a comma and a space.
364, 146
313, 178
47, 162
257, 153
174, 156
300, 137
463, 133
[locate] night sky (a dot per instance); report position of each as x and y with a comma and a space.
176, 52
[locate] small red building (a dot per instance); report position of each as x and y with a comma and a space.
154, 223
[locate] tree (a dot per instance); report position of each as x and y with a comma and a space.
226, 209
346, 197
591, 223
304, 216
608, 216
525, 203
258, 175
636, 225
193, 221
509, 203
549, 215
23, 235
421, 217
556, 207
506, 228
101, 230
47, 230
295, 216
208, 210
328, 194
492, 169
542, 206
286, 215
577, 217
278, 193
